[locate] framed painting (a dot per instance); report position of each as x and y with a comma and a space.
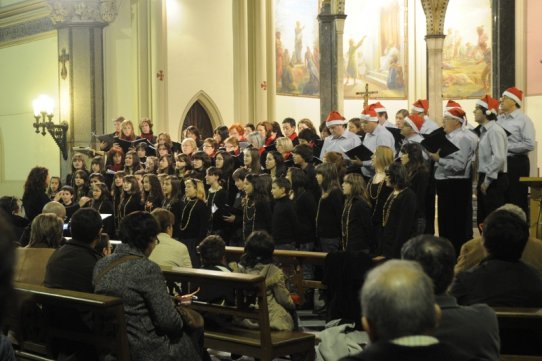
466, 56
297, 47
375, 48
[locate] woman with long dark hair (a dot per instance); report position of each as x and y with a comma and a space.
34, 196
131, 197
152, 192
399, 213
217, 202
172, 191
305, 206
274, 164
356, 225
418, 179
329, 209
195, 218
256, 205
225, 162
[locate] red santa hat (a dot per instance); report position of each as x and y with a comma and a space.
452, 104
515, 94
335, 118
378, 107
421, 106
415, 122
369, 114
491, 104
456, 113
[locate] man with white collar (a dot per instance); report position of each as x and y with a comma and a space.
520, 142
375, 135
383, 115
421, 108
453, 180
410, 129
492, 165
341, 140
400, 315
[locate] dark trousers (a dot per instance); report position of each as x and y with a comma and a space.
494, 197
518, 193
430, 202
453, 201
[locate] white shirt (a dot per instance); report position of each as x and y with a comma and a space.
379, 136
456, 165
492, 151
341, 144
522, 137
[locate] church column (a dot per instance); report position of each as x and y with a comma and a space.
503, 45
271, 84
242, 112
257, 60
80, 49
435, 11
331, 59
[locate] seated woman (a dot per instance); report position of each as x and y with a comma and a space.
155, 328
258, 259
45, 238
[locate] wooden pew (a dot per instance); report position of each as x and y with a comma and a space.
34, 319
521, 333
249, 290
296, 259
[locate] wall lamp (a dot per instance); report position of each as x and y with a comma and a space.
43, 115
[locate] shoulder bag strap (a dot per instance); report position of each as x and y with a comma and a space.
112, 265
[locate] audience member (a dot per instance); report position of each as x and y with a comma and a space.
400, 314
155, 328
473, 251
7, 262
473, 329
518, 285
168, 251
71, 266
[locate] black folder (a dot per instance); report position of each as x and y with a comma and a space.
127, 144
360, 152
397, 136
434, 132
106, 138
437, 141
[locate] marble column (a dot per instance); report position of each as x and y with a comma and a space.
257, 65
435, 11
81, 84
503, 46
331, 28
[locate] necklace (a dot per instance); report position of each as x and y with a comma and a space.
246, 218
318, 213
189, 214
345, 223
375, 197
387, 207
125, 205
100, 206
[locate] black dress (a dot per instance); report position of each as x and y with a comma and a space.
217, 202
378, 194
305, 207
356, 226
33, 203
256, 217
398, 221
194, 226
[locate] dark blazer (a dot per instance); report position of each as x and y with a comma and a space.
499, 284
155, 329
400, 224
357, 228
284, 224
473, 329
33, 204
387, 351
71, 267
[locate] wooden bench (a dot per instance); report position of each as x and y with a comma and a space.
521, 333
296, 259
248, 291
34, 319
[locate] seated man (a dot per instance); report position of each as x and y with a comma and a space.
473, 329
71, 266
51, 207
168, 251
400, 314
473, 252
502, 280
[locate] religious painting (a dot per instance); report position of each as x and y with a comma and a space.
466, 56
297, 47
375, 48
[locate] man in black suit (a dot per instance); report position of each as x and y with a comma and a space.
400, 316
502, 279
473, 329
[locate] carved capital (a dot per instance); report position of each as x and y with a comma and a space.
435, 11
72, 12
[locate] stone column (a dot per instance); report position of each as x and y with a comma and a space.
503, 46
435, 11
80, 49
257, 65
331, 60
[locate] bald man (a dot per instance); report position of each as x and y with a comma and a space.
400, 315
50, 207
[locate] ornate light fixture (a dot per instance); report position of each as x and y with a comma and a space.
43, 115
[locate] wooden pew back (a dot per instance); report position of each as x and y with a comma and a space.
44, 319
521, 332
250, 303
